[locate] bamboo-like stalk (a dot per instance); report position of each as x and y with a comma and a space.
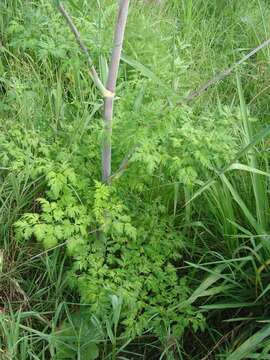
107, 92
111, 86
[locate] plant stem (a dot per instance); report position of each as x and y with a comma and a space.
107, 92
110, 86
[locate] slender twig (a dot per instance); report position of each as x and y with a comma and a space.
196, 93
125, 162
73, 28
222, 340
111, 85
223, 74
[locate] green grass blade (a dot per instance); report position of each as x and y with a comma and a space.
255, 140
250, 344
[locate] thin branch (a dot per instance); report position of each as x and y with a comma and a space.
73, 28
221, 341
194, 94
198, 92
125, 163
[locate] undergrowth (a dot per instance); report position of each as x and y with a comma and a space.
171, 261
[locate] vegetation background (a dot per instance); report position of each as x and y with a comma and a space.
172, 260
